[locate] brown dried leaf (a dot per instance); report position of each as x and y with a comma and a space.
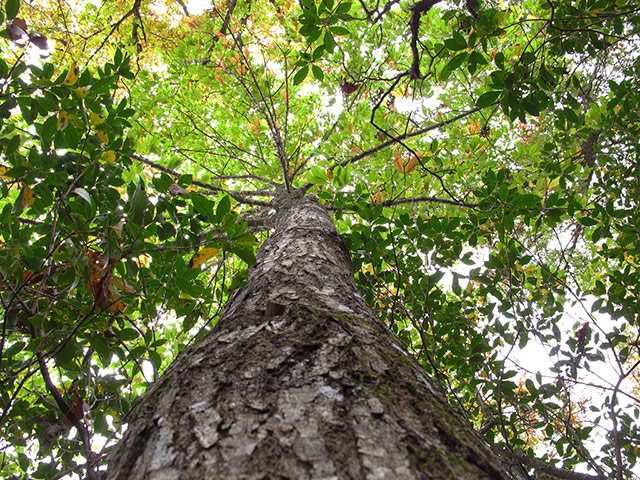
39, 41
348, 88
17, 32
175, 190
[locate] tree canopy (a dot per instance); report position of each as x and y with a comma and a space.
479, 159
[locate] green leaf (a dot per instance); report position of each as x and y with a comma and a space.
456, 43
14, 349
155, 359
13, 145
317, 73
487, 98
12, 7
223, 208
101, 346
84, 194
204, 207
47, 131
453, 64
328, 4
308, 30
246, 254
317, 175
128, 334
137, 204
457, 61
343, 8
532, 105
117, 57
587, 221
300, 75
329, 42
188, 322
340, 31
67, 354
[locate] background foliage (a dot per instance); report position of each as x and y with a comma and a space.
481, 162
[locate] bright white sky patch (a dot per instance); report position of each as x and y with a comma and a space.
196, 7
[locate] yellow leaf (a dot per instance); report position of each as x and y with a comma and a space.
474, 127
63, 120
377, 197
329, 174
72, 74
96, 118
367, 268
102, 136
108, 156
82, 91
550, 185
202, 256
28, 197
4, 170
118, 228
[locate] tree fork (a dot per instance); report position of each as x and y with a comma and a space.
299, 379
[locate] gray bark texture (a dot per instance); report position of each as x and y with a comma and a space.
299, 380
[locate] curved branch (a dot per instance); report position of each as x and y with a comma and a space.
68, 412
446, 201
135, 10
404, 136
403, 201
417, 9
238, 197
544, 467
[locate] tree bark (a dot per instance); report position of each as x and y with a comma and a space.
299, 380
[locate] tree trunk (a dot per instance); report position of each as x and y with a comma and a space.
299, 380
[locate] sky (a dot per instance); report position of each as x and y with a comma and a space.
198, 6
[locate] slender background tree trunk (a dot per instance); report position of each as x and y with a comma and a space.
299, 379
